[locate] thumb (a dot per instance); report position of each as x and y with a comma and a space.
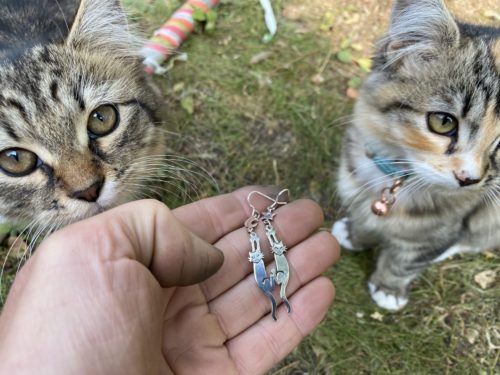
145, 231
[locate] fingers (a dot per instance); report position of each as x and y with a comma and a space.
212, 218
245, 304
266, 343
145, 231
293, 223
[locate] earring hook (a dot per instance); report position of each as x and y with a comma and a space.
276, 201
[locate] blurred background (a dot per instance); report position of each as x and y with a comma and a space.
249, 112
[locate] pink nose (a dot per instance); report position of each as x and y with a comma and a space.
465, 180
89, 194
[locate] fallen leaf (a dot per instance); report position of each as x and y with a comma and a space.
344, 56
327, 22
187, 103
377, 316
17, 247
492, 14
485, 279
260, 57
317, 79
471, 335
355, 82
346, 43
227, 39
365, 64
357, 47
178, 87
489, 255
352, 93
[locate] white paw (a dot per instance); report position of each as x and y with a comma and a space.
341, 233
385, 300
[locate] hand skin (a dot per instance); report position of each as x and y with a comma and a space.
129, 292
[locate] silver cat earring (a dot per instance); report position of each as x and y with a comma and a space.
278, 249
255, 256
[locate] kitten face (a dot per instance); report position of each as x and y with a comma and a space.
433, 100
77, 120
255, 256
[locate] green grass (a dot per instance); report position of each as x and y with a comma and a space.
267, 123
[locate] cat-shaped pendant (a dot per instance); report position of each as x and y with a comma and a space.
282, 268
265, 283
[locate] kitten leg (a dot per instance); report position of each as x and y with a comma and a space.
352, 237
396, 269
340, 230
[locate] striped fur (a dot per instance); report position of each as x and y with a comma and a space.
427, 62
49, 87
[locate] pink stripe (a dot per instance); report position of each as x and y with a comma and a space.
176, 30
169, 40
186, 10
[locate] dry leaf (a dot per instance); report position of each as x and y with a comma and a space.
485, 279
471, 335
352, 93
17, 247
377, 316
489, 254
317, 79
492, 14
260, 57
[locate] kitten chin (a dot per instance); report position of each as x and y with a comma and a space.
428, 115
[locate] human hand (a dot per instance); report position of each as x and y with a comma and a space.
108, 295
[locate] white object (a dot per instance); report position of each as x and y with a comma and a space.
269, 16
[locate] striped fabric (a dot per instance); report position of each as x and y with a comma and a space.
170, 36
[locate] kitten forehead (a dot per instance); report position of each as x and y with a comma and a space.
26, 23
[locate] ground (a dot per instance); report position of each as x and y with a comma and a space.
255, 113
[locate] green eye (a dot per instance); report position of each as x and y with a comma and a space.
442, 123
18, 162
102, 121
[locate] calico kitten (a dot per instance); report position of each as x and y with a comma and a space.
428, 114
78, 119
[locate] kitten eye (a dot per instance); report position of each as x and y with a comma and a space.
102, 121
442, 123
18, 162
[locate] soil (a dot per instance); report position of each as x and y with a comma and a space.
366, 20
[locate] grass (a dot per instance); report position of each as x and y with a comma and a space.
268, 123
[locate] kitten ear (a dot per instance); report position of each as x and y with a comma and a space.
102, 25
421, 28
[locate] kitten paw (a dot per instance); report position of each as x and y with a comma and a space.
340, 230
387, 300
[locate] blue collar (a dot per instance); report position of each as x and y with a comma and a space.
388, 167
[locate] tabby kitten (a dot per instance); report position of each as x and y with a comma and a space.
429, 115
78, 120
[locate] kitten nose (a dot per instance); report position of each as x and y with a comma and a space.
464, 180
89, 194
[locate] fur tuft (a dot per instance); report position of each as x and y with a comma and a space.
419, 28
101, 25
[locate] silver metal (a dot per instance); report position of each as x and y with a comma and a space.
264, 282
281, 274
278, 249
276, 202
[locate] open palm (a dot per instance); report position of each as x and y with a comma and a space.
129, 292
